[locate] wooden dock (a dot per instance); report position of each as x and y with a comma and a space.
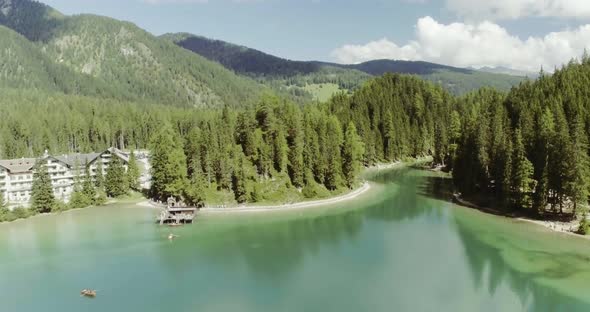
177, 214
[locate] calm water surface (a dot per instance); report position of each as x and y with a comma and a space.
401, 247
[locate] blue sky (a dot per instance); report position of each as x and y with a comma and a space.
452, 32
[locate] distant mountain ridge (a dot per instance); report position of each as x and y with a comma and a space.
508, 71
254, 63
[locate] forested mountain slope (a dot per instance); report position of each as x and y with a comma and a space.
131, 63
286, 73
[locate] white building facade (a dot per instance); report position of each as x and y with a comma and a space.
16, 175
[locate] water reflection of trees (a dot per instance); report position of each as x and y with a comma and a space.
489, 270
276, 249
271, 250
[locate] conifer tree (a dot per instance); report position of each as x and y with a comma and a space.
42, 197
99, 177
295, 146
522, 173
3, 205
115, 180
88, 188
311, 150
169, 173
352, 155
578, 169
194, 193
506, 183
334, 140
279, 149
78, 199
133, 172
239, 177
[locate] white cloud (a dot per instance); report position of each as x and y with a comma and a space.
478, 45
380, 49
513, 9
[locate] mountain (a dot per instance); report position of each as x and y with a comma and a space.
304, 74
100, 56
457, 80
508, 71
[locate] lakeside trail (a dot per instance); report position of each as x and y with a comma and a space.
567, 228
366, 186
300, 205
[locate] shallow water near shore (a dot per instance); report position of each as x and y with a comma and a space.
402, 246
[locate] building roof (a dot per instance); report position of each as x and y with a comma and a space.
20, 165
119, 153
80, 159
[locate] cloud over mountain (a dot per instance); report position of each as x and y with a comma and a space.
513, 9
474, 44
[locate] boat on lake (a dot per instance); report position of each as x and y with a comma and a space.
88, 293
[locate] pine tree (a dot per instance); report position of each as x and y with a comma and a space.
133, 172
115, 181
311, 150
3, 205
169, 172
42, 197
543, 148
522, 173
295, 143
99, 177
239, 177
578, 169
506, 189
88, 188
352, 155
77, 199
194, 193
279, 149
333, 156
559, 162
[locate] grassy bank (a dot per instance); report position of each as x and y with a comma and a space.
20, 213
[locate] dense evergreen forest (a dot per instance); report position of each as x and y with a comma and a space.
525, 150
528, 150
275, 150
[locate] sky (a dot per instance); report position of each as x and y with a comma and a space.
518, 34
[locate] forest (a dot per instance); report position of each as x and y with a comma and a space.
528, 150
273, 151
525, 150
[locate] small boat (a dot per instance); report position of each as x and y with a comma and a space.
88, 293
172, 236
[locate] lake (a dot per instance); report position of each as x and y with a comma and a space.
400, 247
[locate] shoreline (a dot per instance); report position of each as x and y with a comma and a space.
366, 186
567, 228
249, 208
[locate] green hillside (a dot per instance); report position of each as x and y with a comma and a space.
279, 72
110, 58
